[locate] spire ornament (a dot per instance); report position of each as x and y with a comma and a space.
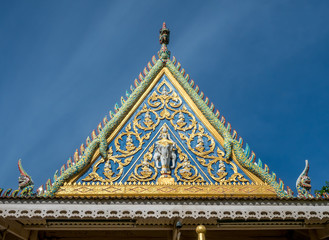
303, 183
25, 182
164, 53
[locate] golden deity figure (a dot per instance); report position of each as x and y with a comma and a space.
164, 91
164, 135
181, 120
129, 143
221, 167
146, 171
147, 119
200, 144
165, 155
108, 169
186, 168
221, 172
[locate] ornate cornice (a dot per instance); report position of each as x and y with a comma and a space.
316, 211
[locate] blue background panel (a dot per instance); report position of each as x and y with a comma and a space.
141, 132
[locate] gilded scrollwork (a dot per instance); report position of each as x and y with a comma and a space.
145, 171
164, 98
113, 168
130, 149
164, 157
221, 175
185, 171
114, 164
199, 150
208, 158
145, 116
181, 124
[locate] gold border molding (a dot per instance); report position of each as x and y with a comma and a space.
175, 190
257, 188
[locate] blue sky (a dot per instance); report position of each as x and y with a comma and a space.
64, 64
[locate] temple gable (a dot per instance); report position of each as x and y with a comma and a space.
164, 141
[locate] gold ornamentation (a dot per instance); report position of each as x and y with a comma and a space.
147, 119
200, 144
129, 144
181, 189
108, 168
181, 120
164, 98
207, 158
146, 173
120, 160
166, 180
97, 190
221, 172
165, 190
149, 124
164, 103
181, 123
184, 168
130, 149
199, 150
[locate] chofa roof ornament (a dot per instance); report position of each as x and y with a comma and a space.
25, 185
164, 53
303, 183
25, 182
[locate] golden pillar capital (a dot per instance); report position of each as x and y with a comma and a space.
201, 231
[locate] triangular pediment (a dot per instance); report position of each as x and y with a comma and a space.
164, 139
164, 146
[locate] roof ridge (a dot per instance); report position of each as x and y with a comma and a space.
232, 141
80, 151
98, 138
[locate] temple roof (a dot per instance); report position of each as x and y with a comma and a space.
164, 139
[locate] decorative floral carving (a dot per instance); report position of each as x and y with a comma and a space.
145, 171
187, 171
165, 154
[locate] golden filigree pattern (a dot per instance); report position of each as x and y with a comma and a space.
164, 98
149, 124
181, 123
111, 175
164, 103
145, 171
208, 159
187, 171
201, 136
130, 148
221, 174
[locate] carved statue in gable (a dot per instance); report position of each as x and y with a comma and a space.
164, 153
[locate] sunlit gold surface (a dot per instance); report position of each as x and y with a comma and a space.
166, 180
201, 231
148, 190
160, 100
146, 174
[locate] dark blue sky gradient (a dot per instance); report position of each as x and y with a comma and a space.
64, 64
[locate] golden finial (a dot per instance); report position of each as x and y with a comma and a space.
201, 231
